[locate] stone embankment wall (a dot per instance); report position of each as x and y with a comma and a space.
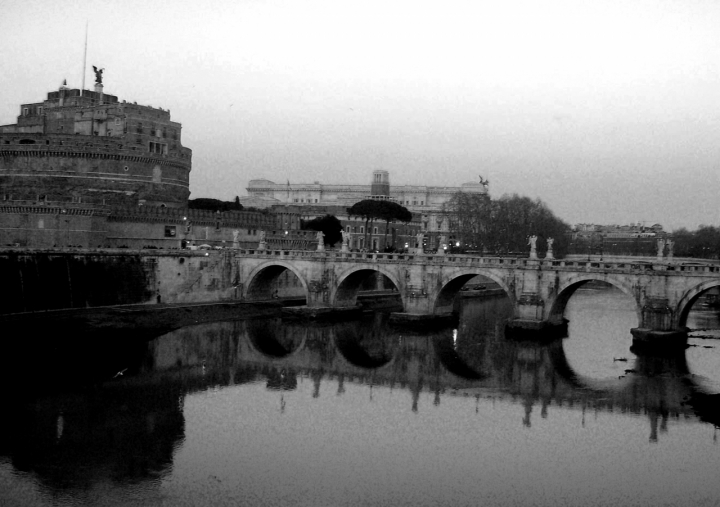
41, 280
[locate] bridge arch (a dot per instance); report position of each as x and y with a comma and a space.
261, 278
368, 352
452, 282
556, 304
344, 293
688, 299
274, 339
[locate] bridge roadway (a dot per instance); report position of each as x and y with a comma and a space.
663, 289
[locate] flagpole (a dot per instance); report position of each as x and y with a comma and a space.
84, 59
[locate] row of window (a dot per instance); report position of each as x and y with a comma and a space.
362, 230
171, 230
303, 200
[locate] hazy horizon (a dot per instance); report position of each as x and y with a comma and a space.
609, 112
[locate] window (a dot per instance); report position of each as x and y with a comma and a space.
40, 111
362, 230
170, 231
374, 230
157, 148
25, 111
315, 200
422, 203
347, 229
117, 121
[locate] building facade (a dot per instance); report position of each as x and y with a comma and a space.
425, 202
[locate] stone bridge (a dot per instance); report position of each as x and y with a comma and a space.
539, 289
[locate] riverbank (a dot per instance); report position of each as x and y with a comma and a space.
145, 321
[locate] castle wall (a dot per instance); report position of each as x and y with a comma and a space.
46, 225
43, 280
49, 227
90, 169
37, 281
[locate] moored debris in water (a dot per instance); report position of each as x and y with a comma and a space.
424, 322
624, 359
324, 313
630, 370
705, 336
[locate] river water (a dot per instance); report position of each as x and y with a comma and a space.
275, 413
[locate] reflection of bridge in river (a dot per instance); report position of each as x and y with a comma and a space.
127, 428
445, 362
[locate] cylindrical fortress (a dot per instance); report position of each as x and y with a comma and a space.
92, 170
90, 148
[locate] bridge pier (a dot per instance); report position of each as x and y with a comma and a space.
658, 332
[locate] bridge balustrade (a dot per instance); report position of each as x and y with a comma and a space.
466, 260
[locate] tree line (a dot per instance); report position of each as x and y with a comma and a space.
504, 225
370, 210
703, 243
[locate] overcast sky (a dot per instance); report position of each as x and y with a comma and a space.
609, 111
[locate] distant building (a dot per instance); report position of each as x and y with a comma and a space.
426, 202
632, 230
634, 239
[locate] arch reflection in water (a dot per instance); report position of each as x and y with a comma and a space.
481, 323
366, 343
600, 318
275, 338
703, 353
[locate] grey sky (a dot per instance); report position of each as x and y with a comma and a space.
608, 111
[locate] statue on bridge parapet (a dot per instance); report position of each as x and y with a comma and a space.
670, 247
420, 238
263, 245
532, 241
660, 248
345, 241
321, 241
549, 254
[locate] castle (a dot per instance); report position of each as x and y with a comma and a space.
82, 146
84, 169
